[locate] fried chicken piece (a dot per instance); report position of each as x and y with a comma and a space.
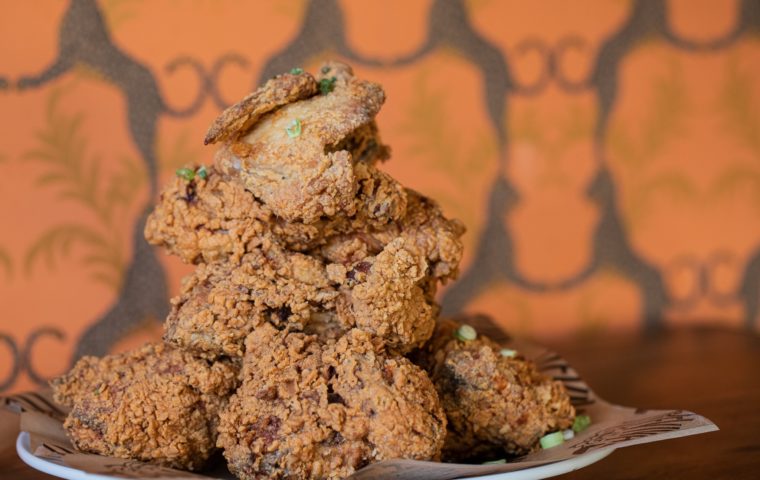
494, 404
205, 220
222, 302
275, 93
382, 295
423, 224
308, 410
294, 158
155, 404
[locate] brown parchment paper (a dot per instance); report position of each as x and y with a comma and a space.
612, 426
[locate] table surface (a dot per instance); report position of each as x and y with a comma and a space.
705, 370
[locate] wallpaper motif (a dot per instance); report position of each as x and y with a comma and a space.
608, 179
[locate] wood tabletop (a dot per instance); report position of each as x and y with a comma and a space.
709, 371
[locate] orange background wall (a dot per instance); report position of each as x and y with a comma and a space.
604, 154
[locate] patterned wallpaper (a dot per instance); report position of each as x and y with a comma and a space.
604, 154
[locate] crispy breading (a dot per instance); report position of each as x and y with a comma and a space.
385, 295
292, 158
494, 404
423, 224
205, 220
278, 91
308, 410
222, 302
382, 295
210, 219
156, 404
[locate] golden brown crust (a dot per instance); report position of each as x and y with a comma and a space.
385, 295
156, 404
438, 237
312, 411
292, 160
222, 302
495, 404
382, 295
206, 220
217, 218
280, 90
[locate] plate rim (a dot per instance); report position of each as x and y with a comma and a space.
24, 450
550, 469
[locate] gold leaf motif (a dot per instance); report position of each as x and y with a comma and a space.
74, 173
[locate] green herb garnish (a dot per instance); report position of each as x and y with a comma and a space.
202, 172
508, 352
186, 173
296, 71
294, 129
552, 440
496, 462
581, 423
466, 333
327, 85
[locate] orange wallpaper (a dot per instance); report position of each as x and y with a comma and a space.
604, 154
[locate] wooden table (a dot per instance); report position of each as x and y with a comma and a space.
712, 372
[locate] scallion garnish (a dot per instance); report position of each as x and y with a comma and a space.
296, 71
552, 440
496, 462
186, 173
294, 129
466, 333
202, 172
581, 423
568, 434
325, 69
507, 352
326, 85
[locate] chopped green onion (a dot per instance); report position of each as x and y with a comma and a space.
568, 434
202, 172
294, 129
496, 462
326, 85
508, 352
325, 69
296, 71
186, 173
581, 423
466, 333
552, 440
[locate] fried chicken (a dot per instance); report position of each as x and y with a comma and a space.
204, 220
156, 404
311, 410
222, 302
294, 158
216, 218
495, 404
382, 295
279, 91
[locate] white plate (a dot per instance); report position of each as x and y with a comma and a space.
544, 471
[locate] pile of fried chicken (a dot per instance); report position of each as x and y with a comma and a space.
289, 347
